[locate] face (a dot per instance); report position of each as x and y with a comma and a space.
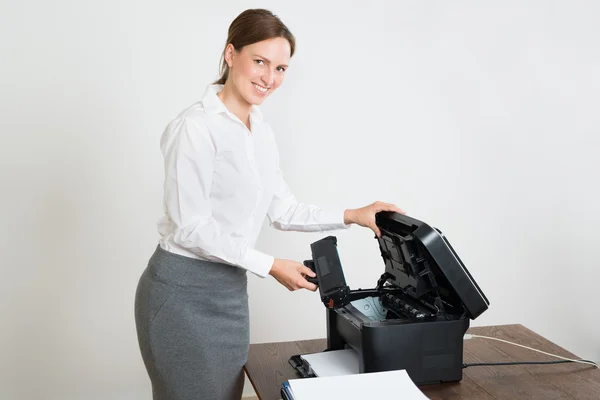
258, 69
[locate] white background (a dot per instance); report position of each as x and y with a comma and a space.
479, 119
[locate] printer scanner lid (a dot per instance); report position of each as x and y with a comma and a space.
420, 260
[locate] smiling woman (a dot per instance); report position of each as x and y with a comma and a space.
222, 178
260, 46
259, 70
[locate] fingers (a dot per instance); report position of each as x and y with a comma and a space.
304, 284
307, 271
381, 206
294, 278
376, 230
395, 208
301, 283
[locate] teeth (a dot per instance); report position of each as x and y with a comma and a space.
260, 88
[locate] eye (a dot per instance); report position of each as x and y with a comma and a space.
281, 69
259, 62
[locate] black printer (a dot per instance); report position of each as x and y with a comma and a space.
416, 316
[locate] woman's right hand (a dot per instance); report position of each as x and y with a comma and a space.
291, 274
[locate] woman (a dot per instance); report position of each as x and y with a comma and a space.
222, 178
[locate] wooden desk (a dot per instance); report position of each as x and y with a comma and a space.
268, 368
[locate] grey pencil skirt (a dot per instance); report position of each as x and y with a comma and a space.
192, 325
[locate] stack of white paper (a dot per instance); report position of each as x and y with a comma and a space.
333, 363
375, 385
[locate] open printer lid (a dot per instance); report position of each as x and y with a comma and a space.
419, 259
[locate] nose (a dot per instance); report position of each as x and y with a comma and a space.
268, 78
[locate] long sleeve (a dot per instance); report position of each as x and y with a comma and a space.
189, 154
287, 214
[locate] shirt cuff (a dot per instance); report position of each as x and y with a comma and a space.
332, 220
344, 225
256, 262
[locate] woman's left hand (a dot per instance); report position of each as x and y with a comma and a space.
365, 216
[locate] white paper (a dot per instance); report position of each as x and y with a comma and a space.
333, 363
375, 385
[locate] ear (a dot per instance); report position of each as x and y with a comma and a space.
229, 54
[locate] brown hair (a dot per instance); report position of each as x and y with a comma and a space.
252, 26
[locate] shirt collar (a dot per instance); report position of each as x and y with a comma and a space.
213, 105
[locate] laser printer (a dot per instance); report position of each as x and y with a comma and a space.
416, 315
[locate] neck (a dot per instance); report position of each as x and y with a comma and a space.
235, 103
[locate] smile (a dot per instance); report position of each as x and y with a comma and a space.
260, 88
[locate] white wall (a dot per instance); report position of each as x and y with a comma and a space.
481, 120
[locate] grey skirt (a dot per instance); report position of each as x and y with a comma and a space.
192, 325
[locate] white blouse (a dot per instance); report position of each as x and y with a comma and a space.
221, 179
